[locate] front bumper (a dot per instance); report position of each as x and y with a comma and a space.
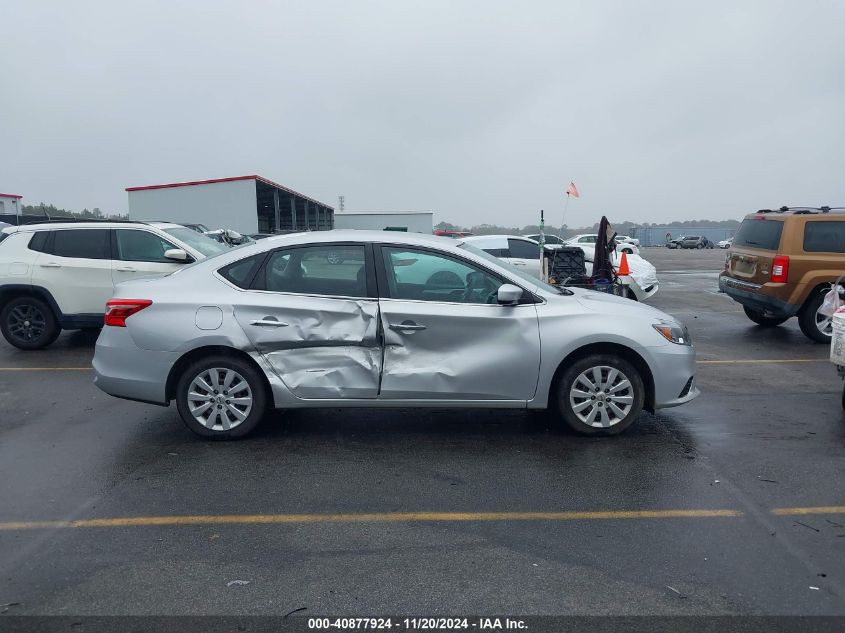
673, 371
124, 370
748, 295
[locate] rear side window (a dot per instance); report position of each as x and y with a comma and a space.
242, 272
759, 234
82, 243
332, 270
824, 237
39, 241
497, 252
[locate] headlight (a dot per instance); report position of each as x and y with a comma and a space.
677, 334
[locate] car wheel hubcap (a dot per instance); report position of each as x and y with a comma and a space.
26, 323
824, 324
601, 396
220, 399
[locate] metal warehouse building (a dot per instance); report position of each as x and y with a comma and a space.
247, 204
412, 222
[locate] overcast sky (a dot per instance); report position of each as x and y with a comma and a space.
478, 111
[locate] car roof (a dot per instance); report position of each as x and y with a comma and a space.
93, 224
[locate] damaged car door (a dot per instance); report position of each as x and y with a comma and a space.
445, 335
316, 322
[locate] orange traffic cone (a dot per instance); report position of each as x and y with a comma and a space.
624, 271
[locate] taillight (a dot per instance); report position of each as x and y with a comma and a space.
118, 310
780, 269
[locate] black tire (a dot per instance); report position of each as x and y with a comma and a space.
699, 246
760, 319
807, 319
628, 250
564, 395
255, 390
29, 323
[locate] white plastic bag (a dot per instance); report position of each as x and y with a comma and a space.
832, 299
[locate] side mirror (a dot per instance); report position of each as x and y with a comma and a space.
509, 295
176, 254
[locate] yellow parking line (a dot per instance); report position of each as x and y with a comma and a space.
762, 361
816, 510
375, 517
46, 368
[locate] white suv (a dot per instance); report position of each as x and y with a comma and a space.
59, 275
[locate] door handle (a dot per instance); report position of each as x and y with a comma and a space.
51, 265
406, 326
127, 269
519, 263
268, 322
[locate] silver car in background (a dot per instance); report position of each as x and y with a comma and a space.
403, 321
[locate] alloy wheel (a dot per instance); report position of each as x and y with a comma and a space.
220, 399
601, 396
26, 323
824, 324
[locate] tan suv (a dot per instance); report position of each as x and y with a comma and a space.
781, 263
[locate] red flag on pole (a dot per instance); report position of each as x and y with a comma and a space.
572, 190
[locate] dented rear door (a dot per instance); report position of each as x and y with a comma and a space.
310, 315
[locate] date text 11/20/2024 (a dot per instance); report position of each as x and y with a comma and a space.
416, 624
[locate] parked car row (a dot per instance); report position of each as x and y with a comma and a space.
690, 241
524, 253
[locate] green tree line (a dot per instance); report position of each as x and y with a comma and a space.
52, 211
623, 228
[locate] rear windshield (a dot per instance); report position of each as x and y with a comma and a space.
759, 234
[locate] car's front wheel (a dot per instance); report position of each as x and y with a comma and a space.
29, 323
760, 319
221, 397
600, 394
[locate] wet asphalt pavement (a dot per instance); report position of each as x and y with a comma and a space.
762, 437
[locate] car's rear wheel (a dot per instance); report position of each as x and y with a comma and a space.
600, 395
699, 245
760, 319
815, 326
29, 323
221, 397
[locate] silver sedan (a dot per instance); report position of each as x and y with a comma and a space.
379, 319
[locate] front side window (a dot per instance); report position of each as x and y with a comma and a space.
141, 246
327, 269
523, 249
824, 237
82, 243
427, 276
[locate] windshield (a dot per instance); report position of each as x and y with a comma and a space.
197, 241
512, 269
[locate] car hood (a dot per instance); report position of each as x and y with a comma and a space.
605, 303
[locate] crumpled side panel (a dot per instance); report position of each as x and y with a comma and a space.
328, 348
329, 372
466, 352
